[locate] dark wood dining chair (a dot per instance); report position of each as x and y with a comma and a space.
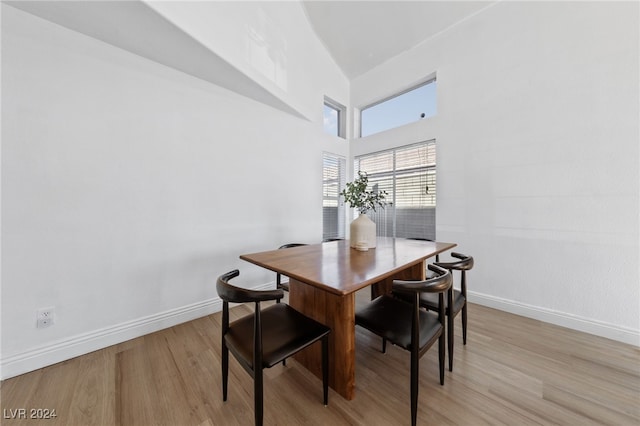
407, 326
266, 337
279, 282
456, 300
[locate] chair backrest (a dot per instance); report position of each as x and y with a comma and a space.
438, 284
464, 264
290, 245
230, 293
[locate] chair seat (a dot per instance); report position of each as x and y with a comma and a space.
391, 319
430, 301
285, 331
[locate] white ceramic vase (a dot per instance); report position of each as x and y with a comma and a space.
363, 230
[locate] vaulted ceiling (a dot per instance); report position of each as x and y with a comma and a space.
361, 35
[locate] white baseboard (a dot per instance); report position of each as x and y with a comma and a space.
84, 343
610, 331
74, 346
81, 344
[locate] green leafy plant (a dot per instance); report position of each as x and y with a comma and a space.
358, 197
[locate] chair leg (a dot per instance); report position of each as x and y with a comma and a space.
450, 340
415, 372
464, 323
325, 370
225, 369
441, 356
384, 345
258, 397
278, 284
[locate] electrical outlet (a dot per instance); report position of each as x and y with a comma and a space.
45, 317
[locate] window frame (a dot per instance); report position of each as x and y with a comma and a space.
341, 111
431, 79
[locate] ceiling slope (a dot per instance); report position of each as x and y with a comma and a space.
136, 27
360, 35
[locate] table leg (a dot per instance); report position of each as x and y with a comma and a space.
337, 312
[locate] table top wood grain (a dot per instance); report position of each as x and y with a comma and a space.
337, 268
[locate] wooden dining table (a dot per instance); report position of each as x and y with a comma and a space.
323, 280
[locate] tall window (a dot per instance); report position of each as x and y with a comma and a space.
333, 181
408, 174
404, 108
334, 118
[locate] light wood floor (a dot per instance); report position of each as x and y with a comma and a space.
513, 371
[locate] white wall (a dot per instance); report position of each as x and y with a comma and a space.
128, 187
537, 134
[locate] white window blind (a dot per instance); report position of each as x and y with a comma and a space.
333, 181
408, 174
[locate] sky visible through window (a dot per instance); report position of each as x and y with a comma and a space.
330, 120
400, 110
